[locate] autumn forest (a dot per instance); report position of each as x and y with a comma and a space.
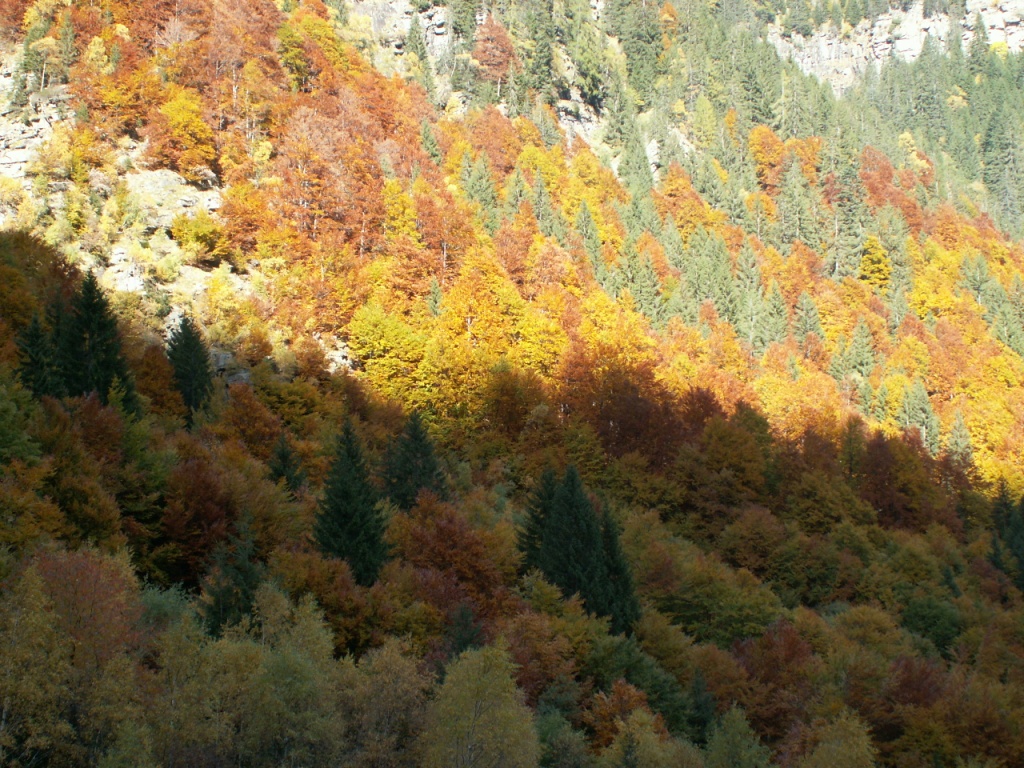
557, 386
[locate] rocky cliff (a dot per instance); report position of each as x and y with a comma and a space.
839, 57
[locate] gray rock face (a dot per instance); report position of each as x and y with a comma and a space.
162, 195
840, 59
390, 21
24, 130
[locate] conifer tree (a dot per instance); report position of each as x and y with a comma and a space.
479, 187
775, 325
415, 43
193, 375
348, 525
916, 413
411, 465
88, 347
284, 465
750, 305
860, 357
37, 366
643, 285
571, 554
621, 602
236, 574
531, 536
805, 318
586, 228
958, 443
430, 145
549, 219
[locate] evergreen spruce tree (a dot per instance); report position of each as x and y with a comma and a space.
880, 410
750, 303
621, 603
430, 145
775, 325
411, 466
230, 587
284, 465
434, 298
37, 364
586, 228
805, 318
672, 243
416, 43
549, 220
958, 443
839, 367
643, 285
916, 413
479, 186
531, 536
88, 347
860, 357
516, 191
193, 375
1002, 506
797, 217
571, 555
348, 525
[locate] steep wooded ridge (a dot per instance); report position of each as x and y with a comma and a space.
530, 384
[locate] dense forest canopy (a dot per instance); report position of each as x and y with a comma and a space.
584, 389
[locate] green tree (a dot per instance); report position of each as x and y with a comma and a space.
622, 605
571, 554
750, 306
958, 443
843, 743
733, 744
805, 318
916, 413
775, 325
193, 375
348, 525
860, 357
411, 465
284, 465
415, 43
88, 347
530, 536
37, 364
478, 719
230, 587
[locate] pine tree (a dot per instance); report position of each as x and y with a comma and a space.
643, 285
860, 357
916, 413
37, 365
284, 465
958, 443
415, 43
348, 525
750, 305
586, 228
411, 466
775, 325
88, 347
805, 318
797, 217
230, 588
550, 221
620, 597
531, 536
193, 375
429, 140
479, 186
571, 554
435, 297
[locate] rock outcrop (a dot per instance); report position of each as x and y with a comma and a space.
840, 59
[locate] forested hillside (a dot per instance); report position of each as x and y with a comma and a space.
595, 389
